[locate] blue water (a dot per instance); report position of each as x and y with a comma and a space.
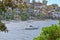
17, 32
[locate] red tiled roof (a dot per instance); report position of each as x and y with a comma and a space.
37, 4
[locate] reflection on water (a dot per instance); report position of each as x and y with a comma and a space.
3, 27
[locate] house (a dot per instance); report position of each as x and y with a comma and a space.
44, 11
37, 5
29, 10
8, 14
37, 12
56, 14
16, 13
57, 9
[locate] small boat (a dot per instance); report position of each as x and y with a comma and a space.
31, 28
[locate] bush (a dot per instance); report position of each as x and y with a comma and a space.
24, 16
42, 15
3, 27
50, 33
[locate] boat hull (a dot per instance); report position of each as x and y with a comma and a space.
31, 28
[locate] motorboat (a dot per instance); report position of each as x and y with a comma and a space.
31, 28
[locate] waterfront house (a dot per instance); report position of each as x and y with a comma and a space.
37, 12
38, 5
57, 9
56, 14
8, 14
16, 13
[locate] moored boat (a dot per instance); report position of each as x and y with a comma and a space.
31, 28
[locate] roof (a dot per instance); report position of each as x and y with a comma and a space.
38, 4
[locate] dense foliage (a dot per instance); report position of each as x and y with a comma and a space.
50, 33
2, 7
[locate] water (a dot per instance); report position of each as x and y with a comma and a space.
17, 32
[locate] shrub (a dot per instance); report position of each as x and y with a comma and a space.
50, 33
3, 27
24, 16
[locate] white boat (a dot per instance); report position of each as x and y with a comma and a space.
31, 28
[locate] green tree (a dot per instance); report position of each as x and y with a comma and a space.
2, 7
9, 3
55, 5
23, 7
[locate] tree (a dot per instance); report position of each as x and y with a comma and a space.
50, 8
22, 6
2, 7
55, 5
9, 3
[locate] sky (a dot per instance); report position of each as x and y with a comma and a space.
50, 2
